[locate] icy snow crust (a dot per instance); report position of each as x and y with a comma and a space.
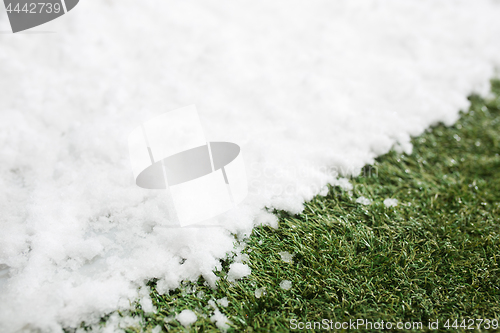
308, 89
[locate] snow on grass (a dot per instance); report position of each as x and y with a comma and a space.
237, 271
390, 202
220, 320
186, 317
286, 284
364, 201
223, 302
259, 292
311, 91
421, 212
286, 256
147, 304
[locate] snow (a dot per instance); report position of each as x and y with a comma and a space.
286, 284
286, 256
114, 323
390, 202
223, 302
364, 201
220, 320
186, 317
237, 271
311, 91
147, 304
259, 292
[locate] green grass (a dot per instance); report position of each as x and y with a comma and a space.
434, 256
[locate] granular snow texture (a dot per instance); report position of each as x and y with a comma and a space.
286, 284
186, 317
237, 271
286, 256
364, 201
390, 202
309, 89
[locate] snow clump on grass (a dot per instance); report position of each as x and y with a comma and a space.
286, 257
186, 317
390, 202
237, 271
286, 284
364, 201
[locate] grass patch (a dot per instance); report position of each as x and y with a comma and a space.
435, 256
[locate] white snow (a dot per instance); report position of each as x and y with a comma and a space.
114, 323
390, 202
223, 302
364, 201
147, 304
237, 271
286, 256
157, 329
220, 320
186, 317
286, 284
310, 90
259, 292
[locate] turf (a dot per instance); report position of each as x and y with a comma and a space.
435, 256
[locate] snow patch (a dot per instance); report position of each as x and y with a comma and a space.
286, 284
237, 271
223, 302
186, 317
147, 304
364, 201
390, 202
259, 292
220, 320
286, 257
